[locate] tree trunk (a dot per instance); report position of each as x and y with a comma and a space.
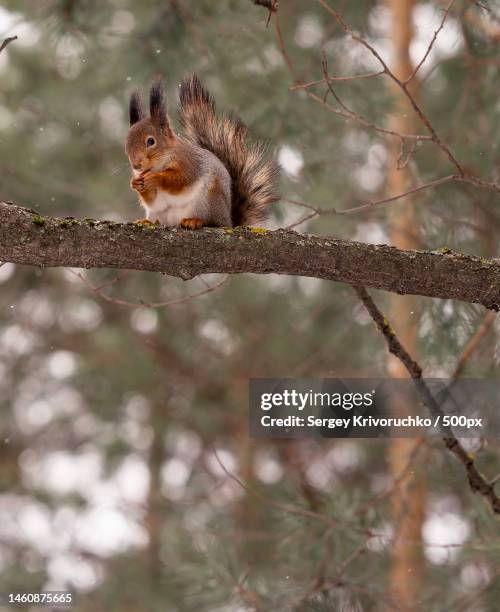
409, 496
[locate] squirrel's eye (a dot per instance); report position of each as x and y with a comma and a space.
150, 142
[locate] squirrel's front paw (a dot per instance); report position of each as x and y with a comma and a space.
146, 182
192, 223
138, 184
151, 180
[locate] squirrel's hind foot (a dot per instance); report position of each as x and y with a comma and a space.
192, 223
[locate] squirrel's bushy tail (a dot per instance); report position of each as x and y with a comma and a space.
253, 174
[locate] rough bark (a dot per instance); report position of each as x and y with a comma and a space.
28, 238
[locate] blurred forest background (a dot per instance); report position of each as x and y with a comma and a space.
126, 471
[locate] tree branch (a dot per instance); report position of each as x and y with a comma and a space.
473, 343
28, 238
477, 482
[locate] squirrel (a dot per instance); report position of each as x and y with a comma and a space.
209, 176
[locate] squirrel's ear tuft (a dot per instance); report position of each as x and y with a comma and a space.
158, 106
136, 112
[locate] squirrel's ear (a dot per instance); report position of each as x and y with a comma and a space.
136, 112
158, 107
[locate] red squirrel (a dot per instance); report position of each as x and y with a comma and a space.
209, 176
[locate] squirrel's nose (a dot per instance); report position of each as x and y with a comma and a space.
136, 166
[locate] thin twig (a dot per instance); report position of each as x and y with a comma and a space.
435, 183
6, 42
270, 5
289, 508
317, 210
396, 484
281, 44
98, 290
327, 519
477, 482
429, 48
353, 116
354, 77
302, 220
112, 282
373, 203
481, 5
401, 84
345, 114
473, 343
